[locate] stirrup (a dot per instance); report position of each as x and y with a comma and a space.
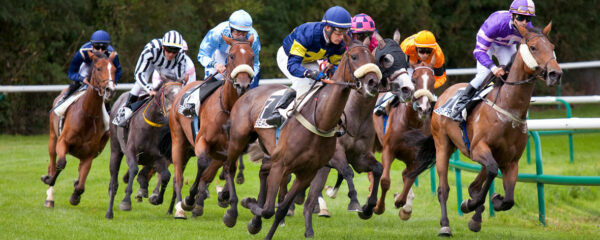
379, 110
122, 117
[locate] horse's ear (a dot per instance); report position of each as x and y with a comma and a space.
396, 36
522, 30
347, 40
228, 40
251, 38
380, 41
367, 41
547, 29
112, 56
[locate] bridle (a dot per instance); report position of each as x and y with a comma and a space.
160, 103
539, 71
355, 83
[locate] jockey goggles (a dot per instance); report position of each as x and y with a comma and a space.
172, 49
521, 18
100, 46
425, 50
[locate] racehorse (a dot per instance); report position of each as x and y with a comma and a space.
211, 140
496, 130
138, 143
404, 126
299, 150
355, 147
84, 133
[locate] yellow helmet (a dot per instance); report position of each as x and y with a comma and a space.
425, 39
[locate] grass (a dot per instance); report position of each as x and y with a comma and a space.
572, 211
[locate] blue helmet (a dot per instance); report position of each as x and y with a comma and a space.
337, 17
240, 20
100, 36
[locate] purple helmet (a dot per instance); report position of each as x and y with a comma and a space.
522, 7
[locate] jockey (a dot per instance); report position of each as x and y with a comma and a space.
190, 70
166, 56
79, 69
301, 49
363, 27
421, 47
213, 49
497, 36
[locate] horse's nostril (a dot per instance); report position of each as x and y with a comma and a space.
371, 83
405, 90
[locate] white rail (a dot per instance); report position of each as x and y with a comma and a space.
563, 123
127, 86
569, 99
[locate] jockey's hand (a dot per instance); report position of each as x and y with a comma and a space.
498, 71
313, 74
152, 93
85, 81
220, 67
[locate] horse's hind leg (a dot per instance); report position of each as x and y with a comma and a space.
240, 176
300, 184
316, 186
368, 163
161, 166
84, 169
115, 164
143, 178
255, 224
509, 179
130, 155
340, 163
483, 155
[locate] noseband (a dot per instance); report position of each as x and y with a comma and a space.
355, 83
539, 72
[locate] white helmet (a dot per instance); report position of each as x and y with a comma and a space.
172, 39
240, 20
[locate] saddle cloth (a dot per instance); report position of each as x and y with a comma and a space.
61, 109
446, 109
267, 109
198, 94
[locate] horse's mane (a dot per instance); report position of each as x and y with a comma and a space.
99, 54
535, 30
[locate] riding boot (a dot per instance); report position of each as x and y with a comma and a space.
463, 99
188, 109
72, 88
125, 112
381, 107
276, 118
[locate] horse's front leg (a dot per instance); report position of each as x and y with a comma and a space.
143, 177
162, 167
368, 163
115, 164
509, 179
442, 158
482, 154
239, 179
48, 179
207, 177
405, 198
387, 157
316, 186
474, 189
255, 224
179, 163
132, 163
84, 169
340, 163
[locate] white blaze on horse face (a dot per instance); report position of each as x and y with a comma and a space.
243, 51
111, 83
404, 80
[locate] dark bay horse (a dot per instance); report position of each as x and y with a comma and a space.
497, 129
299, 151
211, 140
138, 142
84, 133
405, 124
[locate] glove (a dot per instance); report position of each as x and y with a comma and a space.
330, 71
313, 74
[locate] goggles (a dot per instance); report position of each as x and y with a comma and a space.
172, 49
521, 18
100, 46
425, 50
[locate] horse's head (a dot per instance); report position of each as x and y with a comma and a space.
424, 81
394, 65
357, 68
239, 63
538, 54
102, 77
168, 91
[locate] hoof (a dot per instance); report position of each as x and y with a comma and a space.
138, 198
125, 206
445, 232
309, 234
324, 213
474, 225
180, 216
188, 201
240, 179
49, 204
187, 207
247, 201
229, 220
179, 212
378, 210
75, 199
464, 207
155, 199
109, 215
75, 183
254, 226
331, 192
223, 204
290, 212
46, 179
354, 207
405, 213
142, 193
365, 214
197, 211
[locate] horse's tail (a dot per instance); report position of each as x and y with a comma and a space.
425, 155
164, 141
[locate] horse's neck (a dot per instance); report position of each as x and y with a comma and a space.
411, 117
515, 98
331, 102
360, 108
92, 102
228, 96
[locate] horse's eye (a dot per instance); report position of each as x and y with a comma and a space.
532, 48
98, 69
414, 80
232, 56
353, 57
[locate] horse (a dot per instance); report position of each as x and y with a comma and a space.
138, 143
211, 140
299, 150
406, 124
355, 147
496, 130
84, 133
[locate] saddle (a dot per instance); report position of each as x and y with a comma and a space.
296, 106
61, 108
198, 94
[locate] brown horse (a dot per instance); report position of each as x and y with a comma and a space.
84, 133
211, 140
497, 130
404, 126
299, 150
138, 143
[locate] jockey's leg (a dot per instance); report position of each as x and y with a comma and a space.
125, 112
383, 103
72, 88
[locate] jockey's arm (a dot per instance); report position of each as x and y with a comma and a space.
296, 55
144, 68
256, 49
208, 46
73, 72
118, 66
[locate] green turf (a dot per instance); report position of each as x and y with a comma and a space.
572, 211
